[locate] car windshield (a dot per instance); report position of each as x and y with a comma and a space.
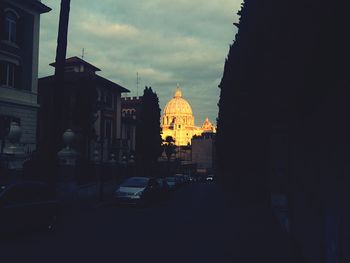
135, 182
171, 179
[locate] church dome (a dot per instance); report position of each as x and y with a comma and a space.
177, 105
208, 126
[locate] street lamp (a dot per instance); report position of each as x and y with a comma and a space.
132, 164
96, 160
124, 163
112, 164
96, 156
131, 159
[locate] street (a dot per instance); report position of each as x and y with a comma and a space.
196, 224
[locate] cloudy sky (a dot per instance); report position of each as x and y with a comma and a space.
165, 41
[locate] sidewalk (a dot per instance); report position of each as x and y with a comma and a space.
261, 236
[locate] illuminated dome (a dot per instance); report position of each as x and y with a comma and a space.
178, 121
177, 106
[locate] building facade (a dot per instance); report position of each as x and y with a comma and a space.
19, 51
178, 121
92, 109
203, 152
131, 107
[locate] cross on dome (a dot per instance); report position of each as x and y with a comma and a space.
178, 93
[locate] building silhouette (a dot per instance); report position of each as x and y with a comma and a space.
92, 109
203, 152
131, 107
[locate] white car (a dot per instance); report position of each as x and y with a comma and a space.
136, 190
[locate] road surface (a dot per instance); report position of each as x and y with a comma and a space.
198, 223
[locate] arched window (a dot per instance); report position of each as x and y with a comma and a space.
11, 26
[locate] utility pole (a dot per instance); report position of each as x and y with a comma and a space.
58, 108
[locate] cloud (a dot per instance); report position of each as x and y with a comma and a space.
166, 42
119, 30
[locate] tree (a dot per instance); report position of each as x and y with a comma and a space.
286, 76
169, 147
242, 116
148, 138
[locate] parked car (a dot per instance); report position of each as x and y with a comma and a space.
138, 190
164, 187
188, 178
180, 178
172, 181
27, 206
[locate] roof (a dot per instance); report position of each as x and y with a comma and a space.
72, 77
35, 4
77, 61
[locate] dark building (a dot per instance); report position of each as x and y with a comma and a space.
130, 112
92, 109
203, 152
19, 49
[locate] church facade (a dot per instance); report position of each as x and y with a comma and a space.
178, 121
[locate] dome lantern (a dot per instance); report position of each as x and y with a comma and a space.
178, 93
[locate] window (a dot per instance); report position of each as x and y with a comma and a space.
108, 99
8, 74
10, 27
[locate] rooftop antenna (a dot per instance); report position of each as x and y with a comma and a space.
137, 83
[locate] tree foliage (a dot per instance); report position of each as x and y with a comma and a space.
169, 146
285, 75
148, 140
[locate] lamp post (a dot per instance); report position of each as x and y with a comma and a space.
124, 163
112, 165
13, 155
132, 165
97, 162
66, 180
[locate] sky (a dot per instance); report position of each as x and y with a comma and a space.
167, 42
